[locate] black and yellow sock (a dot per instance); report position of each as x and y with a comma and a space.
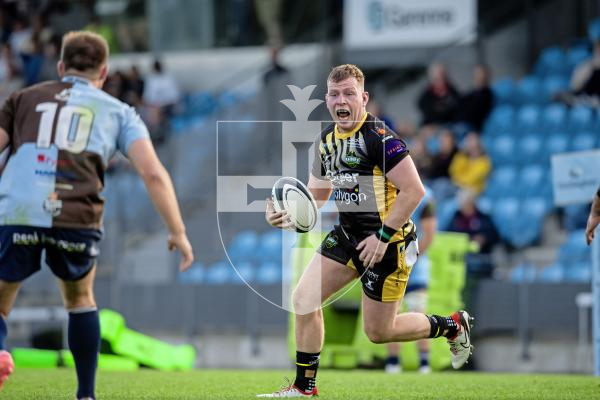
306, 370
442, 326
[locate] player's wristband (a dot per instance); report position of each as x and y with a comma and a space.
385, 234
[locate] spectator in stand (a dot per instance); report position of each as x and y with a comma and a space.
470, 166
439, 101
276, 70
161, 90
114, 85
10, 78
439, 173
268, 13
134, 82
423, 160
95, 25
480, 228
375, 109
586, 76
475, 106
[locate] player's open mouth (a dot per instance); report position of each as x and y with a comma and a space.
342, 114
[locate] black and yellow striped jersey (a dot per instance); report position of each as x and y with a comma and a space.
356, 163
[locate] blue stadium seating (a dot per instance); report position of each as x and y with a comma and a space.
505, 214
531, 179
523, 273
445, 211
526, 229
499, 121
269, 273
552, 61
584, 141
219, 273
245, 270
530, 148
195, 274
556, 143
528, 90
503, 89
574, 249
243, 246
270, 246
576, 55
485, 204
580, 272
554, 117
528, 119
552, 85
553, 273
502, 150
501, 182
581, 118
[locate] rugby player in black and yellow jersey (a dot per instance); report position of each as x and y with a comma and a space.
376, 188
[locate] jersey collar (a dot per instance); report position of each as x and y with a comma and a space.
76, 79
346, 135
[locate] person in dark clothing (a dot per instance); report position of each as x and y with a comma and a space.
475, 106
439, 102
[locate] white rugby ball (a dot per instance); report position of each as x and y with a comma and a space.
293, 196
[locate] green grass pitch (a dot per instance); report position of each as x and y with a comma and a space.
236, 384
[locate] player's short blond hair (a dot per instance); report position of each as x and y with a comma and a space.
84, 51
345, 71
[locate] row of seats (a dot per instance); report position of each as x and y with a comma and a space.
267, 273
542, 120
573, 264
529, 89
557, 61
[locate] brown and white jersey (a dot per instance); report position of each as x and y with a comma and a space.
62, 135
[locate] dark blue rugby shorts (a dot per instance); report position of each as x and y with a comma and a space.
70, 253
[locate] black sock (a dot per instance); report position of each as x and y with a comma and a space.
424, 358
442, 326
3, 332
393, 360
306, 370
84, 342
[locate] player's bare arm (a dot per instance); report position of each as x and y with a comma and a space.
406, 178
320, 188
161, 191
593, 218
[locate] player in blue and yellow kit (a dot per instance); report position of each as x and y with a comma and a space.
61, 135
377, 188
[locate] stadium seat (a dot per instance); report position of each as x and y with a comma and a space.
527, 228
433, 145
552, 85
576, 55
580, 272
552, 60
556, 143
270, 246
484, 204
195, 274
528, 91
528, 119
218, 274
505, 214
530, 147
554, 117
502, 151
581, 118
268, 274
502, 181
574, 249
445, 211
242, 270
503, 91
499, 121
531, 179
553, 273
523, 273
584, 141
243, 246
575, 216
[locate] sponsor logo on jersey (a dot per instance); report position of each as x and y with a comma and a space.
341, 178
63, 95
331, 241
352, 159
348, 196
53, 205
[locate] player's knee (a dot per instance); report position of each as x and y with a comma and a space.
304, 303
377, 334
83, 299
